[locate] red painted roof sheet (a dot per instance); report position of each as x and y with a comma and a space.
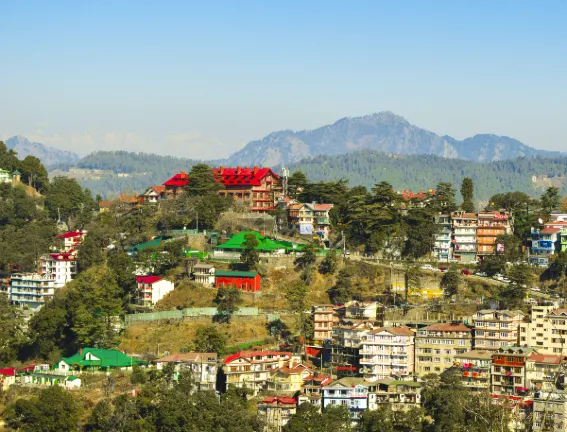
250, 354
70, 234
286, 400
63, 256
448, 327
545, 358
148, 279
550, 230
178, 180
242, 176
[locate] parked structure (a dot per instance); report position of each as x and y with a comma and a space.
154, 193
400, 395
550, 411
495, 329
324, 320
151, 289
71, 240
203, 367
60, 266
97, 359
361, 310
491, 224
544, 244
350, 392
288, 380
543, 371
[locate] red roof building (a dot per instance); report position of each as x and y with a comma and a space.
71, 239
245, 281
151, 289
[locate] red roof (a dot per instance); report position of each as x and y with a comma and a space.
409, 195
313, 352
63, 256
13, 371
545, 358
70, 234
242, 176
550, 230
283, 400
178, 180
148, 279
448, 327
249, 354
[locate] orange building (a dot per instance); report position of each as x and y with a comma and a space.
491, 224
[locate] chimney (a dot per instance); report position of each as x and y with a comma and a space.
255, 169
183, 175
238, 169
80, 351
221, 170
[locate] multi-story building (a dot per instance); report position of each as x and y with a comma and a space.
550, 411
543, 371
491, 224
275, 411
474, 369
361, 310
545, 243
310, 219
387, 352
60, 266
151, 289
203, 367
545, 330
324, 320
345, 347
71, 240
32, 290
312, 389
350, 392
399, 395
494, 329
253, 368
564, 239
442, 249
437, 345
204, 274
287, 380
509, 371
464, 236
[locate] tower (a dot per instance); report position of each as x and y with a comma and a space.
16, 176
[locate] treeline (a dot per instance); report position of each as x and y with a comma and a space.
423, 172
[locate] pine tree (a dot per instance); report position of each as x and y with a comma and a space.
467, 192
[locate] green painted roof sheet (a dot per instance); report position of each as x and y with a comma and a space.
264, 243
156, 242
108, 358
235, 273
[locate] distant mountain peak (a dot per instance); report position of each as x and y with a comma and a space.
385, 132
48, 155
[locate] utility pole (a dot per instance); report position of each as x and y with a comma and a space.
197, 222
344, 244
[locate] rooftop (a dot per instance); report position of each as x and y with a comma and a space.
448, 327
189, 358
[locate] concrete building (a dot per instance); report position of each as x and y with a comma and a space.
464, 236
543, 371
442, 250
61, 266
350, 392
399, 395
151, 289
203, 367
437, 346
275, 411
474, 369
545, 330
550, 411
204, 274
32, 290
491, 224
71, 240
494, 329
509, 371
324, 320
545, 243
310, 219
345, 347
387, 352
361, 310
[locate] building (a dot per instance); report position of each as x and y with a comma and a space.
474, 369
494, 329
437, 345
464, 236
398, 394
32, 290
5, 176
324, 320
203, 367
151, 289
310, 219
154, 193
204, 274
253, 368
60, 266
123, 201
544, 244
275, 411
288, 380
312, 391
387, 352
71, 240
345, 347
176, 183
266, 246
509, 372
361, 310
350, 392
550, 411
97, 359
491, 224
543, 371
442, 249
241, 280
545, 330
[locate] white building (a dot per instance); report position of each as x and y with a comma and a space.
464, 236
204, 274
442, 249
32, 290
361, 310
495, 329
387, 352
71, 240
152, 289
203, 367
60, 266
545, 330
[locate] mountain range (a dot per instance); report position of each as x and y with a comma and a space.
383, 132
48, 155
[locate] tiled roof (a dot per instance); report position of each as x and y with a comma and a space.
71, 234
323, 207
402, 330
148, 279
545, 358
189, 357
448, 327
550, 230
558, 312
242, 176
294, 370
409, 195
249, 355
286, 400
178, 180
321, 379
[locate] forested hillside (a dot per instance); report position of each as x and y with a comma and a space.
425, 171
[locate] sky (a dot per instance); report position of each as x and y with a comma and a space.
201, 79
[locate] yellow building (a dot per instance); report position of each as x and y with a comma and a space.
288, 380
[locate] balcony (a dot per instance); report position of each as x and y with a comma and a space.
322, 221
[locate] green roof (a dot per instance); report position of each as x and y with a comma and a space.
72, 378
107, 359
265, 244
154, 243
17, 172
235, 273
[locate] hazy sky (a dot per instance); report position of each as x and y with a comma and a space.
201, 79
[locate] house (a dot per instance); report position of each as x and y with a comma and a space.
61, 266
9, 376
495, 329
288, 379
361, 310
549, 411
310, 219
275, 411
474, 369
312, 391
5, 176
350, 392
203, 367
398, 394
96, 359
241, 280
155, 242
544, 244
124, 201
345, 348
543, 371
253, 368
437, 345
204, 274
32, 290
266, 246
545, 329
509, 372
176, 183
464, 236
491, 224
324, 319
153, 194
387, 352
151, 289
442, 249
71, 240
